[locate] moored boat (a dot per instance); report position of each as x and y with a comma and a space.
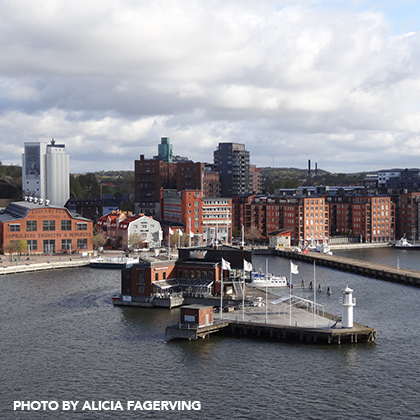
268, 280
404, 244
113, 262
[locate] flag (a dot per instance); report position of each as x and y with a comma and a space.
225, 265
247, 266
171, 232
294, 268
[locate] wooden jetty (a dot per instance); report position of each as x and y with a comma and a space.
362, 268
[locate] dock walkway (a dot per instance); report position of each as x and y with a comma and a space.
299, 325
360, 267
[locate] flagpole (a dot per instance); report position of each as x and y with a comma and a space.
243, 294
314, 297
221, 292
266, 290
290, 294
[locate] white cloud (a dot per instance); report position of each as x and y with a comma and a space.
291, 80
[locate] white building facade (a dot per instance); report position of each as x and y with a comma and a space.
148, 229
46, 172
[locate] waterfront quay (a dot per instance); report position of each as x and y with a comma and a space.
299, 325
363, 268
41, 263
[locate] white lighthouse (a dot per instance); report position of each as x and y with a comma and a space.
348, 303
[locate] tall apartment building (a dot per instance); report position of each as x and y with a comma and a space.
408, 216
152, 176
207, 218
254, 179
371, 218
231, 161
307, 217
165, 150
45, 172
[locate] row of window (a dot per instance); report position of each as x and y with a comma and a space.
47, 225
49, 246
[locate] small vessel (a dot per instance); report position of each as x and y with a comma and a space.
404, 244
323, 249
117, 262
268, 280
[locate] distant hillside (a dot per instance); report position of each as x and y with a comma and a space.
10, 181
274, 178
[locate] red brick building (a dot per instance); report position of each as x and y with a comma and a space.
307, 217
45, 229
207, 218
371, 218
196, 272
152, 176
408, 216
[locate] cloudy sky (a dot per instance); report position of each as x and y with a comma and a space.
337, 82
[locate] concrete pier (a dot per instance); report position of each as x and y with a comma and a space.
362, 268
300, 325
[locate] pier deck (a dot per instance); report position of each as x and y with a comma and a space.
360, 267
301, 325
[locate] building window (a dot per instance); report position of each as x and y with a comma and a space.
48, 225
48, 246
82, 244
81, 226
31, 226
66, 244
32, 245
14, 228
66, 225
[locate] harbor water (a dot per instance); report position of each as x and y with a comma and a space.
61, 340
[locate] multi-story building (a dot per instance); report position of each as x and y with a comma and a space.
190, 176
45, 172
165, 150
45, 228
231, 161
254, 179
392, 180
128, 230
209, 219
306, 217
370, 218
408, 216
151, 177
211, 185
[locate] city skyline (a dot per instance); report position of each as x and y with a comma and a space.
334, 82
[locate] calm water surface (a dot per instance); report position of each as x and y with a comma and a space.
61, 339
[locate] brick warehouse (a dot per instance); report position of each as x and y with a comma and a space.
44, 228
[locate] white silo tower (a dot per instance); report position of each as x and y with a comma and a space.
348, 303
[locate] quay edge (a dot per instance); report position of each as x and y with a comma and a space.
363, 268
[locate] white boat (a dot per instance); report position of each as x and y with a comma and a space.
404, 244
116, 262
323, 249
268, 280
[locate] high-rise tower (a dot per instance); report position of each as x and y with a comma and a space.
231, 161
45, 172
